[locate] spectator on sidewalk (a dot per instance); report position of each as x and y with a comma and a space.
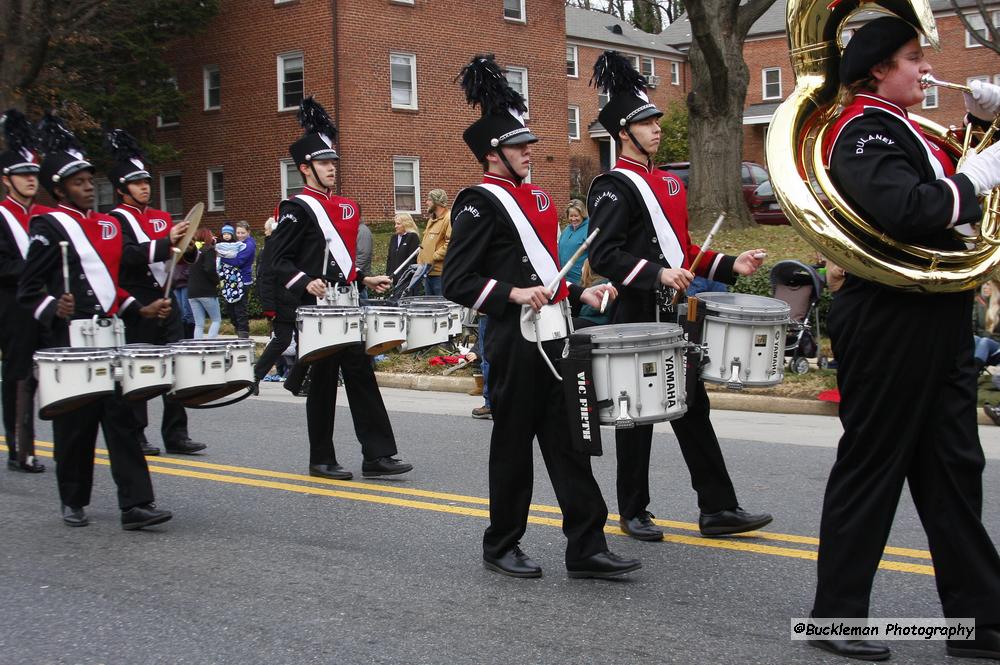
402, 244
236, 310
365, 247
203, 286
572, 237
437, 235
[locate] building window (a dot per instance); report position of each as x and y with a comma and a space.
976, 21
572, 62
171, 120
518, 79
771, 79
170, 194
930, 98
675, 73
216, 191
105, 195
634, 59
406, 184
574, 122
983, 78
646, 66
403, 75
213, 87
401, 2
291, 179
513, 10
602, 100
291, 80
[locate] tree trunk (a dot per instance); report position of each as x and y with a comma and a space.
24, 41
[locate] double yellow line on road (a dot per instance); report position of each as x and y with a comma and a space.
793, 546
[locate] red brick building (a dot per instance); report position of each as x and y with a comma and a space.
384, 70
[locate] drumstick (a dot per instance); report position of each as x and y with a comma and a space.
701, 253
175, 254
405, 263
565, 269
64, 248
604, 300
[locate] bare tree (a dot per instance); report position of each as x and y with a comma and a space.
715, 105
990, 37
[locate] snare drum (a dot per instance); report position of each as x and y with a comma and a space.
199, 370
340, 295
385, 329
70, 378
745, 337
426, 325
97, 332
638, 372
323, 330
455, 311
550, 322
147, 371
239, 363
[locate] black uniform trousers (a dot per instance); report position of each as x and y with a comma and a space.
283, 330
699, 446
528, 402
174, 426
18, 341
908, 407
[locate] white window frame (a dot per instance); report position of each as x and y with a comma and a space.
981, 77
923, 40
163, 191
975, 19
415, 162
605, 96
675, 73
524, 14
285, 163
524, 87
931, 99
206, 73
213, 205
401, 2
575, 59
413, 105
282, 57
574, 112
159, 119
763, 83
652, 65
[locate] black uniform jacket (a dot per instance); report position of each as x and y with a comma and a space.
42, 281
11, 261
135, 274
411, 241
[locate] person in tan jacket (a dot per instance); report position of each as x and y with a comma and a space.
437, 235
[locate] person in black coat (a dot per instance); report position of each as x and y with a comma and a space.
402, 244
203, 285
905, 364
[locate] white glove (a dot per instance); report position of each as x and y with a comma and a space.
984, 100
983, 169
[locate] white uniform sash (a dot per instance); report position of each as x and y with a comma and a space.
670, 245
334, 242
542, 262
93, 266
16, 230
159, 268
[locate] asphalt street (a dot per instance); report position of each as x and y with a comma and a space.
263, 564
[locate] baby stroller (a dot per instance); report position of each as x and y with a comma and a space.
800, 286
408, 280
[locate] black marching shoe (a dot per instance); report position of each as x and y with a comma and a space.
992, 412
513, 563
334, 471
856, 649
29, 465
602, 565
185, 447
74, 516
986, 644
728, 522
641, 527
141, 516
148, 449
384, 466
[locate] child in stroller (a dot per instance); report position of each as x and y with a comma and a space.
800, 286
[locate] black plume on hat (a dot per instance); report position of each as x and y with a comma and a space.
19, 157
128, 157
63, 154
626, 90
320, 133
55, 136
501, 123
315, 120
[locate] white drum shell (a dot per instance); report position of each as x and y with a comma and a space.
385, 329
426, 326
97, 333
146, 370
644, 362
553, 322
198, 368
745, 338
455, 311
324, 329
69, 378
240, 362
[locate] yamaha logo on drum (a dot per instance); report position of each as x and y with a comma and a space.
775, 352
581, 389
670, 378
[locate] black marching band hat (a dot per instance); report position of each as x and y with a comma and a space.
320, 133
626, 90
19, 158
63, 155
128, 165
871, 44
502, 107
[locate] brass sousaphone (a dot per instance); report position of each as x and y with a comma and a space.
803, 187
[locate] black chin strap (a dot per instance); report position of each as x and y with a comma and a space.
18, 192
638, 145
513, 174
319, 182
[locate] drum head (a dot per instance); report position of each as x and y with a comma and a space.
745, 307
632, 332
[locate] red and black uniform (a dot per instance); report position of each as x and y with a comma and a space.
297, 255
907, 380
41, 284
144, 267
630, 250
486, 260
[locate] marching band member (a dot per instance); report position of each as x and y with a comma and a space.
313, 244
644, 246
151, 233
94, 253
503, 243
905, 364
18, 331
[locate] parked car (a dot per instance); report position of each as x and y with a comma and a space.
753, 176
